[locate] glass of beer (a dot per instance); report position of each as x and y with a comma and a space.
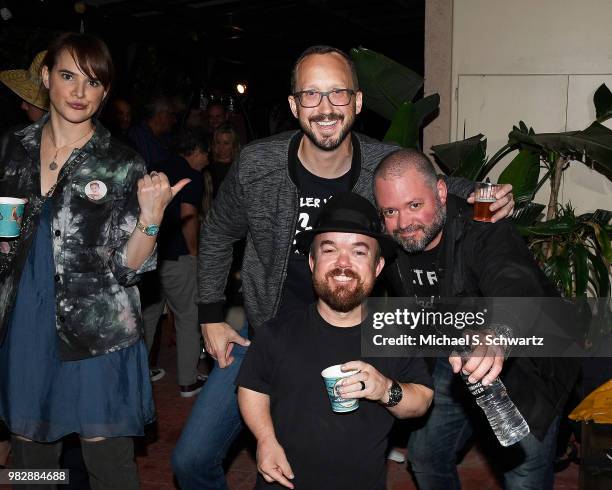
484, 197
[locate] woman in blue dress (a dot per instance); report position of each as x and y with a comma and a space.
72, 358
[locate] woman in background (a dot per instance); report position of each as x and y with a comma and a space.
225, 147
72, 359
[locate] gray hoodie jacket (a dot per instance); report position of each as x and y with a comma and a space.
258, 199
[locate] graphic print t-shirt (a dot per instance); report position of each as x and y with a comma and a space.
421, 269
424, 273
314, 191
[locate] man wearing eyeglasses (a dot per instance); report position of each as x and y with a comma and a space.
274, 191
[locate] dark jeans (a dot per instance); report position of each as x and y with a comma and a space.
214, 423
433, 448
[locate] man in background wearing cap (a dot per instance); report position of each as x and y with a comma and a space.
301, 442
446, 254
27, 84
274, 191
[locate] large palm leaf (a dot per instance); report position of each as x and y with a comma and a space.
386, 84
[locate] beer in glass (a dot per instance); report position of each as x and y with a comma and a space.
484, 197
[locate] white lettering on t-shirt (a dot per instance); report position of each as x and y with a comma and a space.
431, 277
304, 221
418, 273
311, 202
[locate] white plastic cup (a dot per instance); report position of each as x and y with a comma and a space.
332, 375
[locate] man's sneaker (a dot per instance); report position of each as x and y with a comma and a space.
397, 456
156, 373
187, 391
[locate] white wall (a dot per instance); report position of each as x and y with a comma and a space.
539, 61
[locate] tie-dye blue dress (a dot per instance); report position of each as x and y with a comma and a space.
44, 398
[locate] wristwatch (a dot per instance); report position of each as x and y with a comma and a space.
149, 230
395, 395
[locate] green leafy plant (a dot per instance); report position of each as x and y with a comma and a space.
389, 90
574, 251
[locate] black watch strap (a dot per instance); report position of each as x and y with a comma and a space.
395, 395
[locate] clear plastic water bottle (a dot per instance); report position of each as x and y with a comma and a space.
506, 421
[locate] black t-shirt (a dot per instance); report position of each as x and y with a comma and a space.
171, 242
326, 450
314, 191
423, 271
218, 171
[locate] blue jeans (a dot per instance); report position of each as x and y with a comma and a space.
433, 448
214, 423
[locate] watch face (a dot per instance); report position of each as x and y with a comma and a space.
152, 230
395, 394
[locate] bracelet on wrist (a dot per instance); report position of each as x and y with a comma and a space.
149, 230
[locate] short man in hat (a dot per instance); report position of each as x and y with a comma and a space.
27, 84
301, 442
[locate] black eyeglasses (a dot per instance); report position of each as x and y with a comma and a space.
312, 98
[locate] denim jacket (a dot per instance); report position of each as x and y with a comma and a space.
97, 302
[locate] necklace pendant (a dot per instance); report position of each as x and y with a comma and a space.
53, 165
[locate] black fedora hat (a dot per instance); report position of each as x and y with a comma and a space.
348, 212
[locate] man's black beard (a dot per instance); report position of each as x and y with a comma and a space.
430, 232
327, 144
341, 299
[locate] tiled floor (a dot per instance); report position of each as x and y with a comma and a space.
172, 410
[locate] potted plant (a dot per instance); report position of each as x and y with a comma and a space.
574, 251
